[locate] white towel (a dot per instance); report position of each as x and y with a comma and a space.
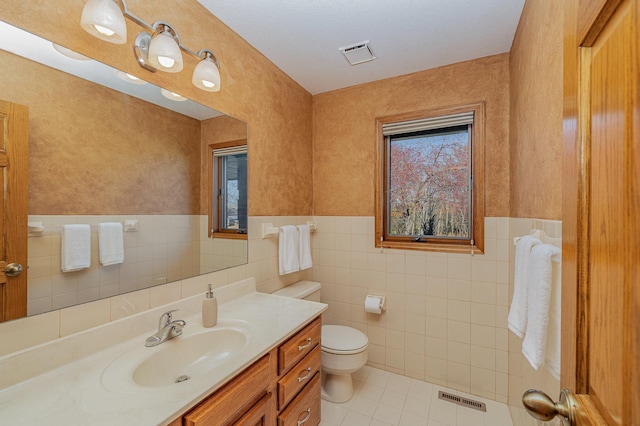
76, 247
540, 283
517, 320
288, 250
552, 358
304, 249
110, 243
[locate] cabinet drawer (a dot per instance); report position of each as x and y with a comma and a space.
298, 346
305, 408
227, 402
298, 377
261, 414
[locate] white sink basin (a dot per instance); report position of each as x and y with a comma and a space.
177, 361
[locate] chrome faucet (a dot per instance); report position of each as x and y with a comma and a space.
167, 329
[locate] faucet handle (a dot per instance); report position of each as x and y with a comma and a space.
166, 318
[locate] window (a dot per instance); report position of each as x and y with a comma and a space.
228, 211
430, 179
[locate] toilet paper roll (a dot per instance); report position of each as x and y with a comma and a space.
373, 304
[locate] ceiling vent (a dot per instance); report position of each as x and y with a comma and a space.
358, 53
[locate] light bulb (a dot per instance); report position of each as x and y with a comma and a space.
166, 61
104, 30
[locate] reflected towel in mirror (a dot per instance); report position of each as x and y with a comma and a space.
76, 247
110, 243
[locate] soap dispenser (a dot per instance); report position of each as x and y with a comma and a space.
209, 309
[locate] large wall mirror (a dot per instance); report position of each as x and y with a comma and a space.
106, 149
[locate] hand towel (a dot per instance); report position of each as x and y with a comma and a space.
110, 243
76, 247
304, 248
540, 282
288, 250
517, 320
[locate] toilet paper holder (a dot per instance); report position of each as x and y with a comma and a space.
375, 304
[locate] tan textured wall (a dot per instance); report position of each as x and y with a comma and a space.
344, 131
214, 131
536, 112
277, 110
90, 155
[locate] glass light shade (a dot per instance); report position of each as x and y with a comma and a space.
206, 76
164, 53
104, 20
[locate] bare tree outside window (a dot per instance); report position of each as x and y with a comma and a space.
429, 184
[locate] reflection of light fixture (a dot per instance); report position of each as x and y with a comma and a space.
70, 53
206, 76
157, 48
129, 78
172, 96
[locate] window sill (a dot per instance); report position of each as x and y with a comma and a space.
422, 246
229, 235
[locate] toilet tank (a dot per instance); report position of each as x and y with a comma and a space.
308, 290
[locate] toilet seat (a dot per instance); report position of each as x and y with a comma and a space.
342, 340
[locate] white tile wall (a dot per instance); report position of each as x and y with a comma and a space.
165, 248
446, 316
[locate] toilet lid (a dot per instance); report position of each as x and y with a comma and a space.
343, 339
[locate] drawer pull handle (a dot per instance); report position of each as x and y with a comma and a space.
306, 419
306, 376
306, 345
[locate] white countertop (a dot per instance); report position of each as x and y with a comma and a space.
74, 393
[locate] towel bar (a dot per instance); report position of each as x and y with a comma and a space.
542, 236
268, 230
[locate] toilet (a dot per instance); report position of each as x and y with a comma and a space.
344, 349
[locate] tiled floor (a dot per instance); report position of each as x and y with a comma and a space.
383, 399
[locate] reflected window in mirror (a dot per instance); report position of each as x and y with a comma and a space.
228, 215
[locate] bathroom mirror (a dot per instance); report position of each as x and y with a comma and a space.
104, 148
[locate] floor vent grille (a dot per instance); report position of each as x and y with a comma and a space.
465, 402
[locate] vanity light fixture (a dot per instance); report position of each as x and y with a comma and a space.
158, 47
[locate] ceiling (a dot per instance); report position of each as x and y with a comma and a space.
302, 37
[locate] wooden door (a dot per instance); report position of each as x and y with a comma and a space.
13, 208
601, 187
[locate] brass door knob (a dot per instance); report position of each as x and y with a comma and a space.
542, 407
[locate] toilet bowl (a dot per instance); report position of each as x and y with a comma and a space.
344, 349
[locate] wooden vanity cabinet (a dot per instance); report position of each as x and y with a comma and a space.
237, 399
282, 388
299, 362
